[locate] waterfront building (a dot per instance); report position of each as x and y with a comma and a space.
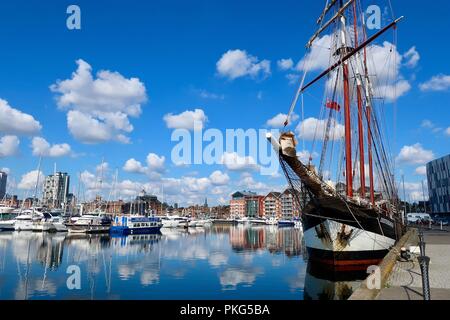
246, 204
272, 205
220, 212
289, 207
238, 203
146, 203
254, 205
56, 189
438, 176
3, 180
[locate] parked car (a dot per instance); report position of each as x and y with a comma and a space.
419, 218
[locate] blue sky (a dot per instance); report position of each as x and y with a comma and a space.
172, 48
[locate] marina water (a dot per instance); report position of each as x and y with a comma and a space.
220, 262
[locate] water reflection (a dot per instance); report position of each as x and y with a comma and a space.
321, 283
221, 262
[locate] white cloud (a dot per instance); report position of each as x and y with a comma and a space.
13, 121
219, 178
9, 146
421, 171
384, 69
102, 167
155, 166
448, 131
190, 120
412, 57
5, 170
237, 63
427, 124
248, 182
134, 166
437, 83
279, 119
233, 162
415, 154
384, 66
414, 191
318, 58
393, 91
155, 163
42, 148
209, 95
99, 108
292, 78
313, 128
28, 181
285, 64
305, 155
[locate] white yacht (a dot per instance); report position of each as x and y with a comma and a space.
24, 221
7, 225
203, 222
171, 221
90, 223
57, 219
4, 209
243, 220
272, 221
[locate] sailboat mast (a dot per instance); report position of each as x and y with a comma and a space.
37, 180
348, 135
368, 116
362, 173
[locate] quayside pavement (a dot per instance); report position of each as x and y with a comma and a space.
405, 281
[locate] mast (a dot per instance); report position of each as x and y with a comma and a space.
368, 116
362, 173
37, 181
348, 135
424, 199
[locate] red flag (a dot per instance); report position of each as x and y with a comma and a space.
333, 105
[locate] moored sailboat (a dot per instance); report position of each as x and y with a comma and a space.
345, 228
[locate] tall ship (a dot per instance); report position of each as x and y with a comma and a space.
345, 185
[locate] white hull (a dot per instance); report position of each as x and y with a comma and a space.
60, 227
167, 223
7, 224
192, 224
23, 226
89, 229
360, 240
43, 226
6, 210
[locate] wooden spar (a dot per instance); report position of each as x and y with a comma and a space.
369, 147
369, 133
351, 54
337, 64
362, 173
347, 116
348, 135
327, 8
327, 24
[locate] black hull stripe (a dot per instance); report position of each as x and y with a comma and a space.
334, 209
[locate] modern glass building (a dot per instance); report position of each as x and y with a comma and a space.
438, 176
3, 180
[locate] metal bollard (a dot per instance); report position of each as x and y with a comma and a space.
421, 243
424, 263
